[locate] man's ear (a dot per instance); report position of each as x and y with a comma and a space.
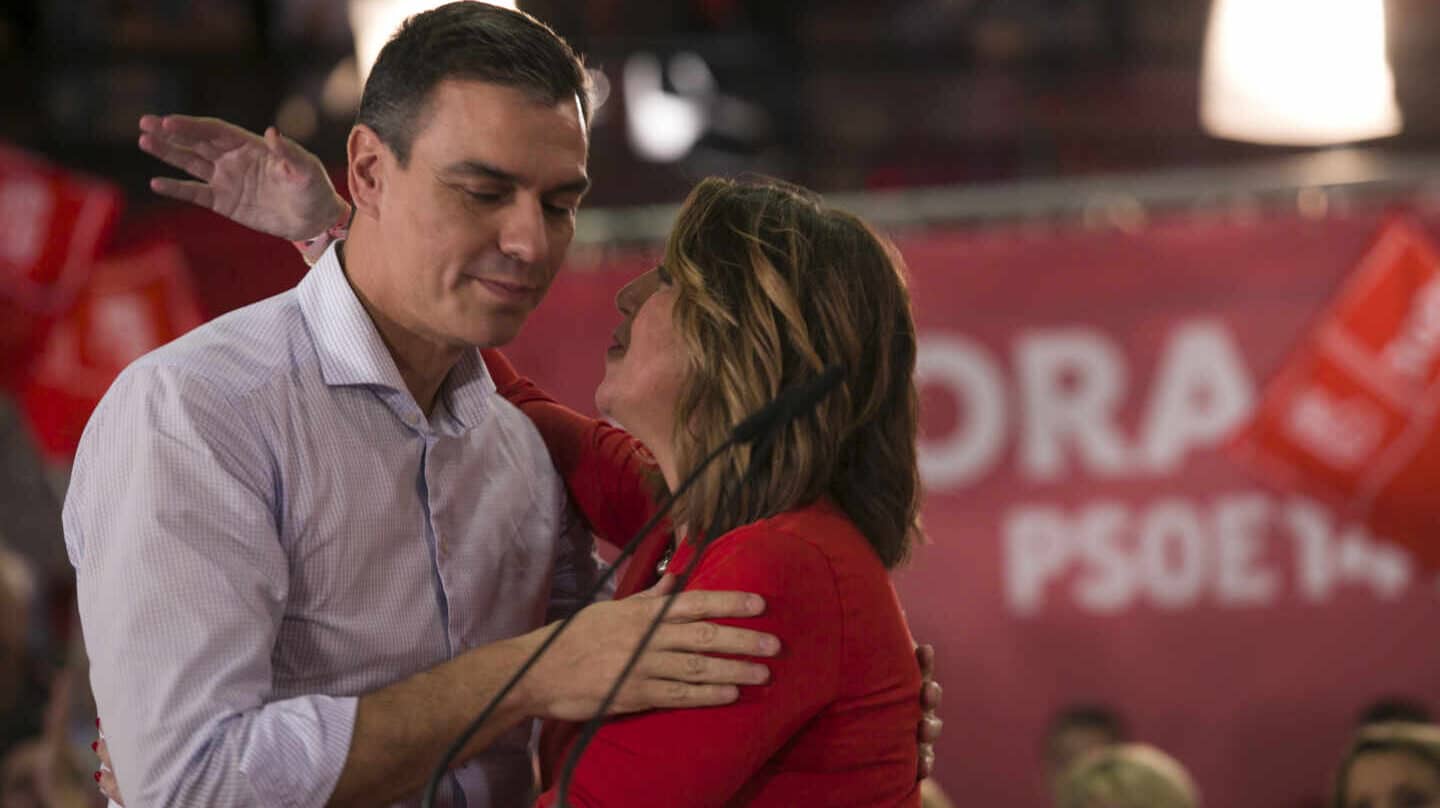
370, 160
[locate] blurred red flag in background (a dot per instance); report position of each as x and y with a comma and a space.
132, 304
1352, 415
53, 224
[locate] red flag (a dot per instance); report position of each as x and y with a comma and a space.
52, 225
133, 304
1351, 416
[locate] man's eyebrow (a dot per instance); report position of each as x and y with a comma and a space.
478, 168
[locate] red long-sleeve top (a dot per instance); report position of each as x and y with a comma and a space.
835, 725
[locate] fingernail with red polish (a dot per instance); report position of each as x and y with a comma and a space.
97, 777
95, 747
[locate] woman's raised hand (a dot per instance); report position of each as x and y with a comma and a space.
271, 183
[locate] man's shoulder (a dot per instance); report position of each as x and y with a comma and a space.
238, 351
198, 390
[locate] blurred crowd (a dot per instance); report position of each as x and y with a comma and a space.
47, 717
42, 760
1091, 761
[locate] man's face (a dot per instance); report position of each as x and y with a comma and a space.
1072, 743
1392, 779
475, 226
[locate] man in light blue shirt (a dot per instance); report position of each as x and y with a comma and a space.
304, 532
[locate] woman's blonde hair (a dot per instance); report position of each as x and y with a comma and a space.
771, 288
1131, 775
1419, 740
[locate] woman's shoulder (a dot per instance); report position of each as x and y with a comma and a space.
822, 525
817, 538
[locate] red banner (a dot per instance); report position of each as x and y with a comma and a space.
52, 225
132, 304
1092, 540
1352, 416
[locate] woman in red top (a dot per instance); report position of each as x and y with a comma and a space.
761, 288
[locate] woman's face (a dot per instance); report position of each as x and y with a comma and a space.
1392, 779
644, 365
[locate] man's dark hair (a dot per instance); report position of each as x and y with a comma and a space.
471, 41
1394, 708
1098, 717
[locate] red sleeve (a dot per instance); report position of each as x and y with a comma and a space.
705, 756
611, 477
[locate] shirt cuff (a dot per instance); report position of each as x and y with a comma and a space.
312, 248
298, 748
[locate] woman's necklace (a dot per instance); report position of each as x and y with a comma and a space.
670, 548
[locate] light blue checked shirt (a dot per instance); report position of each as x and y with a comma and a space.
264, 526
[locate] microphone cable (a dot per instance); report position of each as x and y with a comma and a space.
759, 428
760, 424
592, 726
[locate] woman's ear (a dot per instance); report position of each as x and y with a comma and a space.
369, 160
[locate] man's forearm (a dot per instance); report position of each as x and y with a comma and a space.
402, 730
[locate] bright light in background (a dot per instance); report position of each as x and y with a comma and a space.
340, 94
297, 117
373, 21
1299, 72
664, 126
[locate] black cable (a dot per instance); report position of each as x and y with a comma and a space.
760, 425
760, 429
587, 733
433, 784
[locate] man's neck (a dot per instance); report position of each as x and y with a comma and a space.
423, 362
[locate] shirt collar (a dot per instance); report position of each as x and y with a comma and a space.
468, 388
351, 351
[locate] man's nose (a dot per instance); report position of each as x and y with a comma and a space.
522, 231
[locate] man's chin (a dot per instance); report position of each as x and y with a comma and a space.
496, 332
